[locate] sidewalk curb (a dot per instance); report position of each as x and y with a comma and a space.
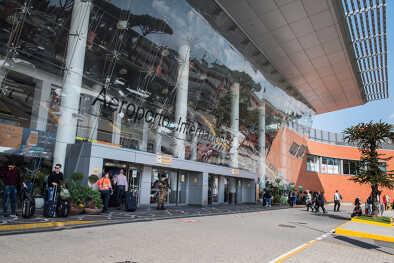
65, 226
372, 223
340, 231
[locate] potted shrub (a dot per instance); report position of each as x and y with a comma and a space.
93, 202
38, 189
78, 194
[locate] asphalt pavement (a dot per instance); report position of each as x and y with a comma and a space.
285, 235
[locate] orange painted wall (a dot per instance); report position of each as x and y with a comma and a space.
295, 169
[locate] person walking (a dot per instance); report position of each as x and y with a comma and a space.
11, 178
308, 201
320, 202
163, 192
105, 188
267, 198
337, 201
120, 181
315, 204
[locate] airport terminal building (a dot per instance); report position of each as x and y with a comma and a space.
210, 93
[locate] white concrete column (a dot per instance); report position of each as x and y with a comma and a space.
158, 140
194, 153
39, 117
182, 86
75, 59
235, 124
145, 187
204, 198
262, 163
145, 137
116, 127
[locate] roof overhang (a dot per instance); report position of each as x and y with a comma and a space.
305, 47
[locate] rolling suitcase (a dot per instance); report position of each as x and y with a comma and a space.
51, 204
130, 202
28, 205
63, 208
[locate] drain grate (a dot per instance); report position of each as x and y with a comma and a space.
288, 226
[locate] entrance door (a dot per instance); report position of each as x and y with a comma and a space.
181, 188
213, 189
226, 190
134, 180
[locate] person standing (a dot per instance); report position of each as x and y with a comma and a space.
337, 201
292, 198
120, 181
105, 188
54, 179
11, 178
369, 204
163, 192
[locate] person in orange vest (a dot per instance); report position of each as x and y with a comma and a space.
105, 188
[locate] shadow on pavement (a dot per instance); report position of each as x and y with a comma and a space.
356, 242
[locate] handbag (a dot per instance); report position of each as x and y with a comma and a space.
64, 193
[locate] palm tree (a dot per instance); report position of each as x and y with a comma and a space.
369, 137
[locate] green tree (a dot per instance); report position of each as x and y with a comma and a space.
369, 137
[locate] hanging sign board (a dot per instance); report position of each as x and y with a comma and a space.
164, 159
134, 173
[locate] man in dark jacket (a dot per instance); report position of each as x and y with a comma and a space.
54, 179
11, 178
320, 201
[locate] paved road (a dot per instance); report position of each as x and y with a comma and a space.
249, 237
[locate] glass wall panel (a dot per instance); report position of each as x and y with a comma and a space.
158, 77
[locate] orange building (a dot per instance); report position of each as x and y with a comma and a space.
318, 166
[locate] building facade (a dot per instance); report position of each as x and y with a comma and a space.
321, 161
180, 88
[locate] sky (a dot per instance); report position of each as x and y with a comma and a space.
372, 111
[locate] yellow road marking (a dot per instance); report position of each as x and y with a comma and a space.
342, 225
295, 251
346, 232
371, 222
47, 224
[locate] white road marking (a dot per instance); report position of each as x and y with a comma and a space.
295, 250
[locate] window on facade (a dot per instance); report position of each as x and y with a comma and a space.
294, 148
353, 167
301, 151
330, 165
324, 165
312, 163
346, 167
